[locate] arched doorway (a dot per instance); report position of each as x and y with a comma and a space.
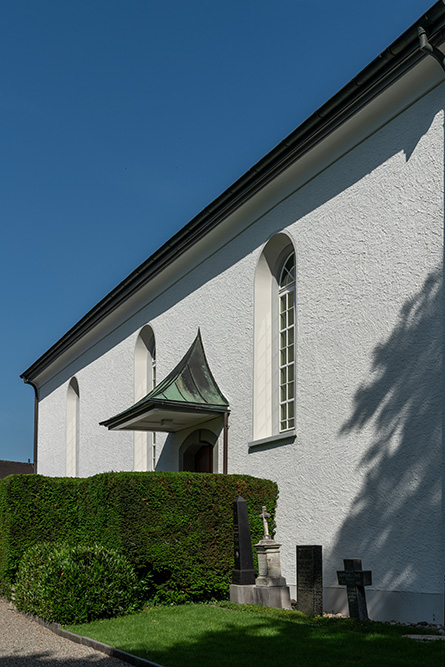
198, 452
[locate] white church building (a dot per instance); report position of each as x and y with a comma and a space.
293, 330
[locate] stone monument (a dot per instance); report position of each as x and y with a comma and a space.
243, 572
310, 579
355, 579
269, 567
270, 587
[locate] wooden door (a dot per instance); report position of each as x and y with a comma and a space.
204, 459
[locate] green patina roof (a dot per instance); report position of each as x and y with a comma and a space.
189, 387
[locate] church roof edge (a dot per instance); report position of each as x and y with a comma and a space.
403, 54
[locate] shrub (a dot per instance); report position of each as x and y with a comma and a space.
75, 584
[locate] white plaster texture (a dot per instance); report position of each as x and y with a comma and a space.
364, 475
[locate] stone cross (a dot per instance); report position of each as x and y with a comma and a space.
355, 579
264, 516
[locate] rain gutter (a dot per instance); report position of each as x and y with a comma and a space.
36, 420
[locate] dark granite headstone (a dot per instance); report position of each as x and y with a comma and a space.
310, 579
243, 572
355, 579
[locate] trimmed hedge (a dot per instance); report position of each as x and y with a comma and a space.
34, 510
176, 527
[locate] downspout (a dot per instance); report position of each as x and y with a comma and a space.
36, 419
429, 49
225, 443
433, 51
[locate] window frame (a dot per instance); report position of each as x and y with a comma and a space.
266, 367
284, 349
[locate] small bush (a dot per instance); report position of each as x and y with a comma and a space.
75, 584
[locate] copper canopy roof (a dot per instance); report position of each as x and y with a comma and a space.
188, 396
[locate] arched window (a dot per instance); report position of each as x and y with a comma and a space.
72, 429
144, 382
274, 340
286, 343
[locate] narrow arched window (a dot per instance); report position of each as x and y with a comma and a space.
72, 429
274, 339
144, 382
286, 343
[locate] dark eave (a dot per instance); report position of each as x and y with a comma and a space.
396, 60
163, 417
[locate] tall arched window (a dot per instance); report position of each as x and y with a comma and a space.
72, 429
274, 340
144, 382
286, 343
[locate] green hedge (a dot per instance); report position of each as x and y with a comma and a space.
175, 526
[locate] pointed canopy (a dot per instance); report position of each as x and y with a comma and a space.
187, 397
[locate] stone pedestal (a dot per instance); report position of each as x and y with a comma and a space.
273, 596
243, 594
270, 588
269, 566
268, 596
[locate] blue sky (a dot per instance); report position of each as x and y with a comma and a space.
121, 120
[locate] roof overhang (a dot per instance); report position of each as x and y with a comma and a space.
187, 397
163, 418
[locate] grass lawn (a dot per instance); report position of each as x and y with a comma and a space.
225, 635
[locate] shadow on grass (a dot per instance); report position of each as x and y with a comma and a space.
275, 642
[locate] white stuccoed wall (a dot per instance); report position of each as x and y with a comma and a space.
364, 476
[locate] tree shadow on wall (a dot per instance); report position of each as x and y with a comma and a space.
394, 520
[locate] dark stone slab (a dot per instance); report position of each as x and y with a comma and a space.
355, 579
310, 579
243, 572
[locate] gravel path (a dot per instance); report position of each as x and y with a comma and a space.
25, 643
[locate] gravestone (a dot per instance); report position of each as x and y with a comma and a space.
355, 579
268, 552
269, 588
243, 573
310, 579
